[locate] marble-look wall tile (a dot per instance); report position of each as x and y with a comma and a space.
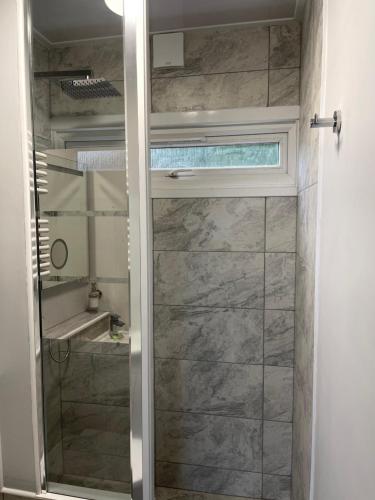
308, 153
209, 479
63, 105
225, 61
55, 462
302, 433
304, 319
276, 487
211, 388
205, 346
211, 334
221, 91
216, 279
212, 441
177, 494
116, 348
309, 144
303, 380
278, 393
41, 95
97, 378
311, 68
102, 466
104, 57
285, 46
281, 214
277, 448
222, 50
96, 428
279, 338
280, 281
41, 112
52, 410
284, 87
220, 224
97, 483
306, 224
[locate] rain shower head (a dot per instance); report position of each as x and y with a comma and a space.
80, 84
89, 88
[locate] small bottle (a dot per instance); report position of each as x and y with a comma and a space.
94, 297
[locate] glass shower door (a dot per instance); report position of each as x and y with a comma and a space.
92, 207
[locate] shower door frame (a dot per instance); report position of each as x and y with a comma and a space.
25, 388
137, 116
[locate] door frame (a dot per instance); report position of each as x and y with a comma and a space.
137, 116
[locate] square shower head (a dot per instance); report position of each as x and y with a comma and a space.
90, 88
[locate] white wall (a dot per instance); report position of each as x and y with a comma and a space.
345, 362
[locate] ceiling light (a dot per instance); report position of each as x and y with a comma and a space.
115, 6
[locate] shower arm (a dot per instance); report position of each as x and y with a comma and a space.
64, 75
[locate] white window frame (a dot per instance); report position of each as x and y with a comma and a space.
272, 124
281, 123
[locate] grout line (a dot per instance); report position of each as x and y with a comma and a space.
219, 362
264, 317
93, 453
251, 252
80, 402
219, 468
199, 75
222, 307
269, 72
248, 419
294, 350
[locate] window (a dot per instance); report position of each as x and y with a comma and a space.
236, 160
242, 152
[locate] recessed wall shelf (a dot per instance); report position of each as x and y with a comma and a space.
74, 325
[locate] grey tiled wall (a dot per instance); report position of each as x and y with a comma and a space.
224, 271
306, 236
87, 419
229, 67
232, 67
41, 98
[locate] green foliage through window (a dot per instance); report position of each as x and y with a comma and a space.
250, 155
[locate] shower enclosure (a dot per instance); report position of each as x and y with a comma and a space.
227, 399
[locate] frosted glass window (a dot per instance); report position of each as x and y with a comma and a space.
250, 155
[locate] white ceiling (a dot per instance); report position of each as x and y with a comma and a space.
179, 14
62, 20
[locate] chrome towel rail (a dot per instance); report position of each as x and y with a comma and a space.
335, 122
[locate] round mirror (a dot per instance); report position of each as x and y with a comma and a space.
59, 253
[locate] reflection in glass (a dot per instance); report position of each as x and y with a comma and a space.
78, 113
59, 253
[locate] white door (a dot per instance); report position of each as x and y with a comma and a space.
345, 389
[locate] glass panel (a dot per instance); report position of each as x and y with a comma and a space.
220, 156
83, 215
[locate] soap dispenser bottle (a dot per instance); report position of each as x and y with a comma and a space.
94, 297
